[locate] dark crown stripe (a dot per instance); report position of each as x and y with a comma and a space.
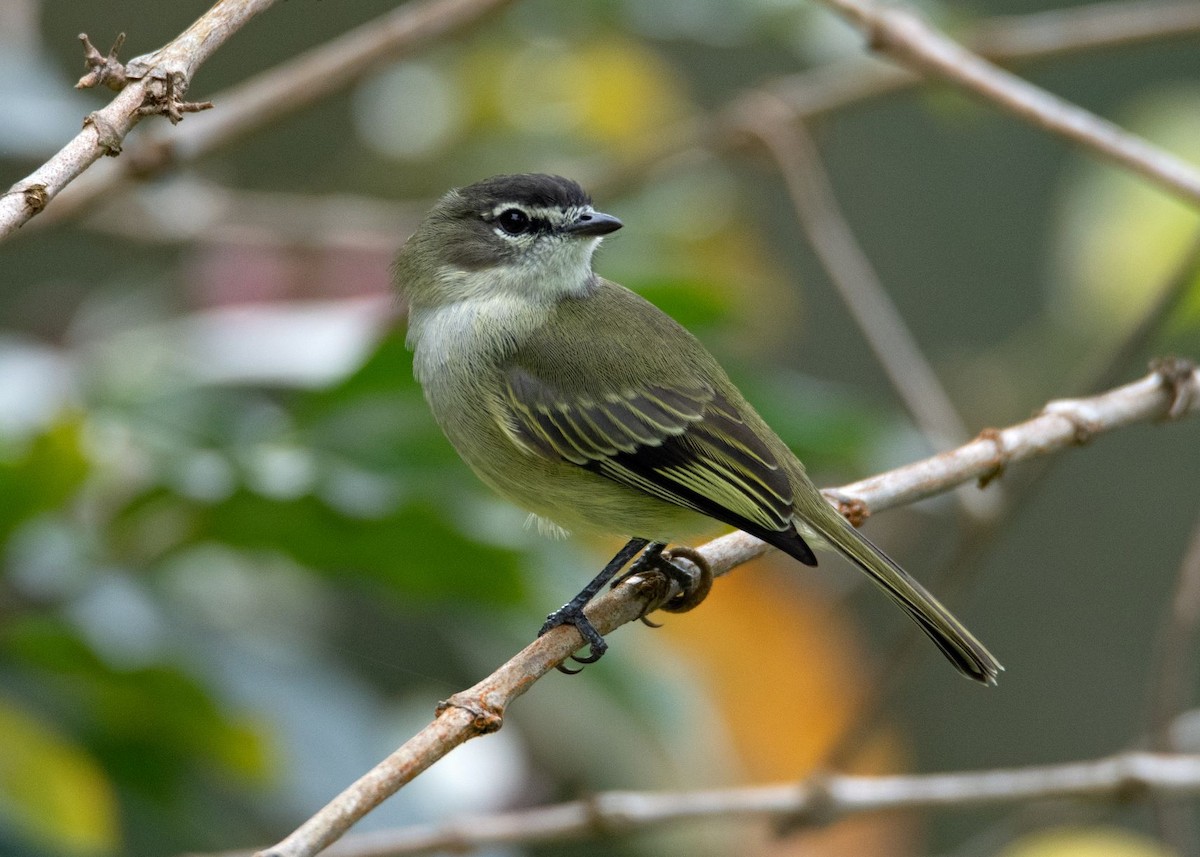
532, 189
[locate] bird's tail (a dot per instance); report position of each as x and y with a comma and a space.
957, 643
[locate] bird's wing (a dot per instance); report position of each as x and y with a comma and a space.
683, 443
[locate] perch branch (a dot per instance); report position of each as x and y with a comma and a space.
1170, 391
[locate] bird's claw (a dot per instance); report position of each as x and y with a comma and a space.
569, 614
692, 590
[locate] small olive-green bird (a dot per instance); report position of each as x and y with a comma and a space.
585, 404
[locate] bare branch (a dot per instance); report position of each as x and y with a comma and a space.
1004, 40
153, 83
102, 69
838, 85
187, 209
320, 72
330, 68
283, 90
1169, 392
815, 801
908, 39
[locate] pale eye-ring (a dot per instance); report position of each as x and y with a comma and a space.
514, 221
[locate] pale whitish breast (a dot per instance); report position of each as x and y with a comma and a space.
473, 334
458, 349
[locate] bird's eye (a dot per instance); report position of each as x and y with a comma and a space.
514, 221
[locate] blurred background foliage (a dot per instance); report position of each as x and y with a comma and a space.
240, 564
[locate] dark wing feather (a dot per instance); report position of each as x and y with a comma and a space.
686, 445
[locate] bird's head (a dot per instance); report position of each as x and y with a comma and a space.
530, 236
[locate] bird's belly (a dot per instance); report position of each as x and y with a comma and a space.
574, 498
582, 501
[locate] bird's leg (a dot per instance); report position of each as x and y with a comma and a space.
693, 590
650, 559
571, 613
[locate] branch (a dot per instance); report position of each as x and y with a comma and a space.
1170, 686
858, 285
153, 83
1171, 391
838, 85
816, 801
323, 70
285, 89
908, 39
1065, 31
187, 209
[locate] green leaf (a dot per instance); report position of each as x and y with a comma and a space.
52, 790
693, 304
41, 476
412, 551
151, 727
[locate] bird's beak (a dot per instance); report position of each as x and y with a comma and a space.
592, 224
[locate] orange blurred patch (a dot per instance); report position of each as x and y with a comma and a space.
786, 669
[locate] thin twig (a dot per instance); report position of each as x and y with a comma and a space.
858, 285
281, 91
903, 36
1172, 673
810, 93
1171, 686
188, 209
1171, 391
1062, 32
154, 82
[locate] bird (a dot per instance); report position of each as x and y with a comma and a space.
583, 403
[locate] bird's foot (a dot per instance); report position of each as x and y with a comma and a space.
572, 614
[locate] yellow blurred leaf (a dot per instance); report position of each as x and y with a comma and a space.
614, 91
1121, 238
1187, 313
51, 790
245, 750
1086, 842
